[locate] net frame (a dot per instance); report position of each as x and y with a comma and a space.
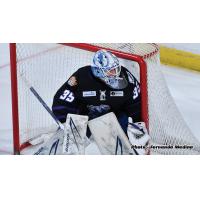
13, 59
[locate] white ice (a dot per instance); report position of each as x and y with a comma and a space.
184, 86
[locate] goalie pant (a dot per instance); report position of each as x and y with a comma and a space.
84, 94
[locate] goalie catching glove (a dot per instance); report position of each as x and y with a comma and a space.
138, 136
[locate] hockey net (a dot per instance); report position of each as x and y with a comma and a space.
46, 67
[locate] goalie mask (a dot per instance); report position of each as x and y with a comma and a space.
106, 67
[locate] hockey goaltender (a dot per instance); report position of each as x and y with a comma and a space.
99, 103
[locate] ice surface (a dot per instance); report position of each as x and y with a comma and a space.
184, 86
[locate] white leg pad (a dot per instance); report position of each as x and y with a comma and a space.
106, 131
75, 130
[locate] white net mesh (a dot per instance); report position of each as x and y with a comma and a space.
48, 66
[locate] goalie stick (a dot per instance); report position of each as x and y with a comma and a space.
39, 98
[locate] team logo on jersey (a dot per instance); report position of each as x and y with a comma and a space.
72, 81
102, 95
116, 93
89, 93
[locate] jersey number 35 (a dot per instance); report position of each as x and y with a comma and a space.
67, 96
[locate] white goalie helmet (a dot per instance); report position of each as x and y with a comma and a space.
107, 68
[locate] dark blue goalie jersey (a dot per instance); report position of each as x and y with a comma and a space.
85, 94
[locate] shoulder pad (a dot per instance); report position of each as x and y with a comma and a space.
72, 81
